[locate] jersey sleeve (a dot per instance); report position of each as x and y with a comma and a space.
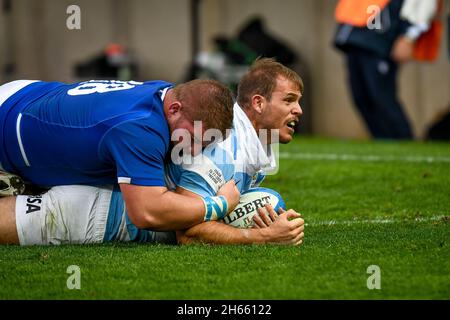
259, 178
138, 151
206, 175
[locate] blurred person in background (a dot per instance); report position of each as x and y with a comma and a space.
377, 36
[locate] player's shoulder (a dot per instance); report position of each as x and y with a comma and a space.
219, 153
215, 166
158, 83
214, 161
90, 88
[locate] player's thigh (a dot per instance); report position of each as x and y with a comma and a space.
63, 215
83, 211
8, 230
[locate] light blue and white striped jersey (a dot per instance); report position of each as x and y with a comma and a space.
241, 157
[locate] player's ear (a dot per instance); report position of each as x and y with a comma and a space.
258, 102
174, 109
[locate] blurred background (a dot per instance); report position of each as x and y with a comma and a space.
176, 40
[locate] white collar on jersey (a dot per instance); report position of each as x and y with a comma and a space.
257, 156
163, 92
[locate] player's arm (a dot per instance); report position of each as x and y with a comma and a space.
159, 209
274, 229
8, 229
281, 231
138, 150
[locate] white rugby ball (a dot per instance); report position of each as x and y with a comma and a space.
250, 201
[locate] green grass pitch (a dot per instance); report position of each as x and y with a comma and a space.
365, 203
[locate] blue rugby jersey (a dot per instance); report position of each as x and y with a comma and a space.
94, 132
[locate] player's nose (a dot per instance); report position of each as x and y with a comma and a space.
298, 111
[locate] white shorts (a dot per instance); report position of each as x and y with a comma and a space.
65, 214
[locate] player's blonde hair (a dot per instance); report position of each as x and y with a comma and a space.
262, 79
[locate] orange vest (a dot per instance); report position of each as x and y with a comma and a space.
426, 48
354, 12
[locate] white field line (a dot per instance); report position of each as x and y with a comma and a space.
373, 221
364, 158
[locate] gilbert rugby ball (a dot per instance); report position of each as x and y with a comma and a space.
250, 201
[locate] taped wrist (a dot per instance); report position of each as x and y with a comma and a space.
215, 208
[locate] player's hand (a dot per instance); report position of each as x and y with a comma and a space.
231, 193
286, 228
402, 50
264, 220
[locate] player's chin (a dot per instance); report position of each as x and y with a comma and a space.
286, 136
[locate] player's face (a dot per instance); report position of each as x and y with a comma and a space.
283, 110
183, 133
191, 137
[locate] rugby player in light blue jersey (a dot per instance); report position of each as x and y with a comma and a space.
243, 156
103, 132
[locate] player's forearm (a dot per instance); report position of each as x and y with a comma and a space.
158, 209
174, 212
220, 233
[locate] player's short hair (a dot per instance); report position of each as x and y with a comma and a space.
208, 101
261, 79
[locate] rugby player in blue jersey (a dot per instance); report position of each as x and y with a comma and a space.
268, 99
104, 132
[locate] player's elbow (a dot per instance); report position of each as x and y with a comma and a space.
145, 213
183, 238
146, 220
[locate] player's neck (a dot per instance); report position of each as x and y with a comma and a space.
168, 98
256, 125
